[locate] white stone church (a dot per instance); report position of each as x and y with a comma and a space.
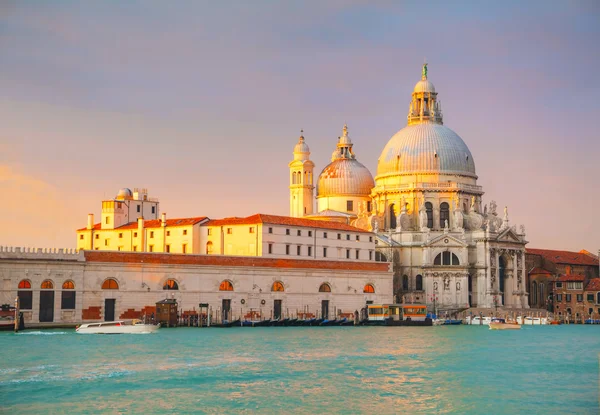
449, 248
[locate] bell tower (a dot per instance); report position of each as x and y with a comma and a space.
301, 180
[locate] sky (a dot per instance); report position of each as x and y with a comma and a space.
202, 103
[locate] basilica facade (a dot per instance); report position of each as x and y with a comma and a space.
449, 248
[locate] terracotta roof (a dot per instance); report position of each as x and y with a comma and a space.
571, 277
564, 257
284, 220
155, 223
593, 285
538, 270
231, 261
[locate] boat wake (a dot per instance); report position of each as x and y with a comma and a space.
40, 333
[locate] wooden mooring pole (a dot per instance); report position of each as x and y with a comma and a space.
17, 314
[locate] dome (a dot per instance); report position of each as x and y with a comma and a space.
124, 193
426, 148
424, 85
345, 177
301, 146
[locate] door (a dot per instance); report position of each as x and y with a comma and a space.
47, 306
109, 309
226, 310
325, 309
277, 309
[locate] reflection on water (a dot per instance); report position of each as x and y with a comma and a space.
303, 370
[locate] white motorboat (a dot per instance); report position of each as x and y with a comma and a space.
477, 320
117, 327
533, 321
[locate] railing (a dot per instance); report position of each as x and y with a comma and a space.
428, 185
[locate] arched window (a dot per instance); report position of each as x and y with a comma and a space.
171, 285
110, 284
542, 300
534, 293
429, 211
277, 286
47, 285
444, 214
419, 284
369, 289
446, 258
209, 248
405, 282
293, 177
324, 288
392, 217
25, 285
67, 301
226, 286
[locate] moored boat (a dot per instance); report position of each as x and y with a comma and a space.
117, 327
510, 325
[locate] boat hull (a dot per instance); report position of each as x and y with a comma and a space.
123, 329
504, 326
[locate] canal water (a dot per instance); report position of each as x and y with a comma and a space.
409, 370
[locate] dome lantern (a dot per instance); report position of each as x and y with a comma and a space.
301, 150
424, 106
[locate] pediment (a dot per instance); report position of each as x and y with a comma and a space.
508, 235
446, 240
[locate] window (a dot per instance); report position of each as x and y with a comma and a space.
151, 234
358, 238
24, 284
119, 248
370, 239
309, 251
579, 298
444, 214
153, 209
309, 233
226, 286
277, 286
120, 235
209, 248
270, 230
110, 284
370, 255
287, 231
168, 247
446, 258
298, 250
325, 235
150, 248
251, 229
67, 301
97, 236
357, 254
325, 288
590, 298
347, 237
184, 248
106, 242
229, 231
405, 283
135, 234
368, 206
572, 285
138, 208
168, 233
299, 233
270, 248
185, 231
598, 299
568, 298
590, 311
209, 231
559, 298
429, 212
134, 248
349, 205
419, 284
339, 236
559, 285
287, 249
369, 289
171, 285
25, 297
347, 254
324, 252
107, 220
80, 236
568, 311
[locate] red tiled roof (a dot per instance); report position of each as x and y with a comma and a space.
593, 285
564, 257
571, 277
284, 220
221, 260
538, 270
155, 223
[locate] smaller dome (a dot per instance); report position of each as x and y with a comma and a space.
424, 85
345, 177
301, 150
124, 193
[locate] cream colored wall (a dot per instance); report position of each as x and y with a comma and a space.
338, 203
240, 242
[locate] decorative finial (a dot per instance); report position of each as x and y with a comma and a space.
345, 130
302, 134
425, 71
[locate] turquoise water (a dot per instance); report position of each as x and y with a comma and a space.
411, 370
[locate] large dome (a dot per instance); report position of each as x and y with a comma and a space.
426, 148
345, 177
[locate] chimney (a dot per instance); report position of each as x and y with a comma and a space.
163, 220
90, 224
141, 234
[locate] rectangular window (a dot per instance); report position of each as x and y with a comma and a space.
368, 206
357, 254
287, 231
152, 234
270, 230
270, 248
185, 231
107, 220
25, 299
135, 234
299, 232
347, 237
568, 298
347, 254
590, 298
287, 249
370, 239
559, 298
134, 248
151, 248
298, 250
106, 242
80, 236
168, 233
559, 285
339, 236
168, 247
120, 248
138, 208
309, 251
572, 285
97, 236
580, 298
153, 209
67, 301
309, 233
325, 235
370, 255
229, 231
184, 248
349, 205
251, 229
209, 231
358, 238
324, 252
121, 235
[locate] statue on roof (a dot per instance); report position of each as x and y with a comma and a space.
425, 71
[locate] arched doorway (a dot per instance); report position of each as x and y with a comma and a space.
501, 276
470, 283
